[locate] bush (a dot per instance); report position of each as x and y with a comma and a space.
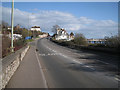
96, 45
6, 43
19, 42
113, 41
24, 33
79, 39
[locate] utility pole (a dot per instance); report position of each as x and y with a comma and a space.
28, 25
33, 30
12, 24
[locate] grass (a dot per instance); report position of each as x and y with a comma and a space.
29, 40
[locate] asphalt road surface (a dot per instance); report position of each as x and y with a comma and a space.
54, 66
67, 68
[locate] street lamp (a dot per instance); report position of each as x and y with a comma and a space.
12, 24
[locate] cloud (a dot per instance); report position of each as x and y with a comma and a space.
46, 19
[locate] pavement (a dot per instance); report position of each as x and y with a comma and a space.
47, 65
29, 73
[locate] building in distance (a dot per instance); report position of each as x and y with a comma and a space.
61, 34
35, 28
44, 35
96, 41
15, 36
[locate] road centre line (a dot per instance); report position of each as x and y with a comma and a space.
70, 58
78, 62
96, 60
102, 62
49, 54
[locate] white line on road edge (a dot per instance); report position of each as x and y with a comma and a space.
106, 63
45, 82
77, 61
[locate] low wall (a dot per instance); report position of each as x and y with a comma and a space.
11, 63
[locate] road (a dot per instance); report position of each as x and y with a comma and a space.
62, 67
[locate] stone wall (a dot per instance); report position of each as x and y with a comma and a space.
10, 65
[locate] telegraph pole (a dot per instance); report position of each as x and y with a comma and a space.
12, 24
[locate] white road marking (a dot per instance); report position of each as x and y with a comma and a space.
45, 82
89, 67
106, 63
42, 54
76, 61
50, 49
117, 79
49, 54
102, 62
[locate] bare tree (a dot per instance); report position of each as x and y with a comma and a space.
4, 24
71, 34
54, 29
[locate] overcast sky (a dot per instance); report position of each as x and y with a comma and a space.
94, 20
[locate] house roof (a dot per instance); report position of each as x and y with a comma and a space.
61, 29
35, 27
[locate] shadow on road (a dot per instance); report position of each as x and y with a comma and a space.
94, 67
106, 62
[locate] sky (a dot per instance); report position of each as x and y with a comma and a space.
93, 19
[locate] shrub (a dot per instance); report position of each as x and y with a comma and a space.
6, 43
113, 41
19, 42
79, 39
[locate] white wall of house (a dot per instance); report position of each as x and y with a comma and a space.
61, 34
9, 28
15, 36
44, 35
61, 37
35, 29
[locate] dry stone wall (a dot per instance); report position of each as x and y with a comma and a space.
10, 65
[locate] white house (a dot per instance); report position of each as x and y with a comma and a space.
15, 36
9, 28
61, 34
43, 35
35, 28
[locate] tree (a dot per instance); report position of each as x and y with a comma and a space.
80, 39
71, 34
30, 33
4, 25
54, 29
113, 41
24, 33
5, 45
